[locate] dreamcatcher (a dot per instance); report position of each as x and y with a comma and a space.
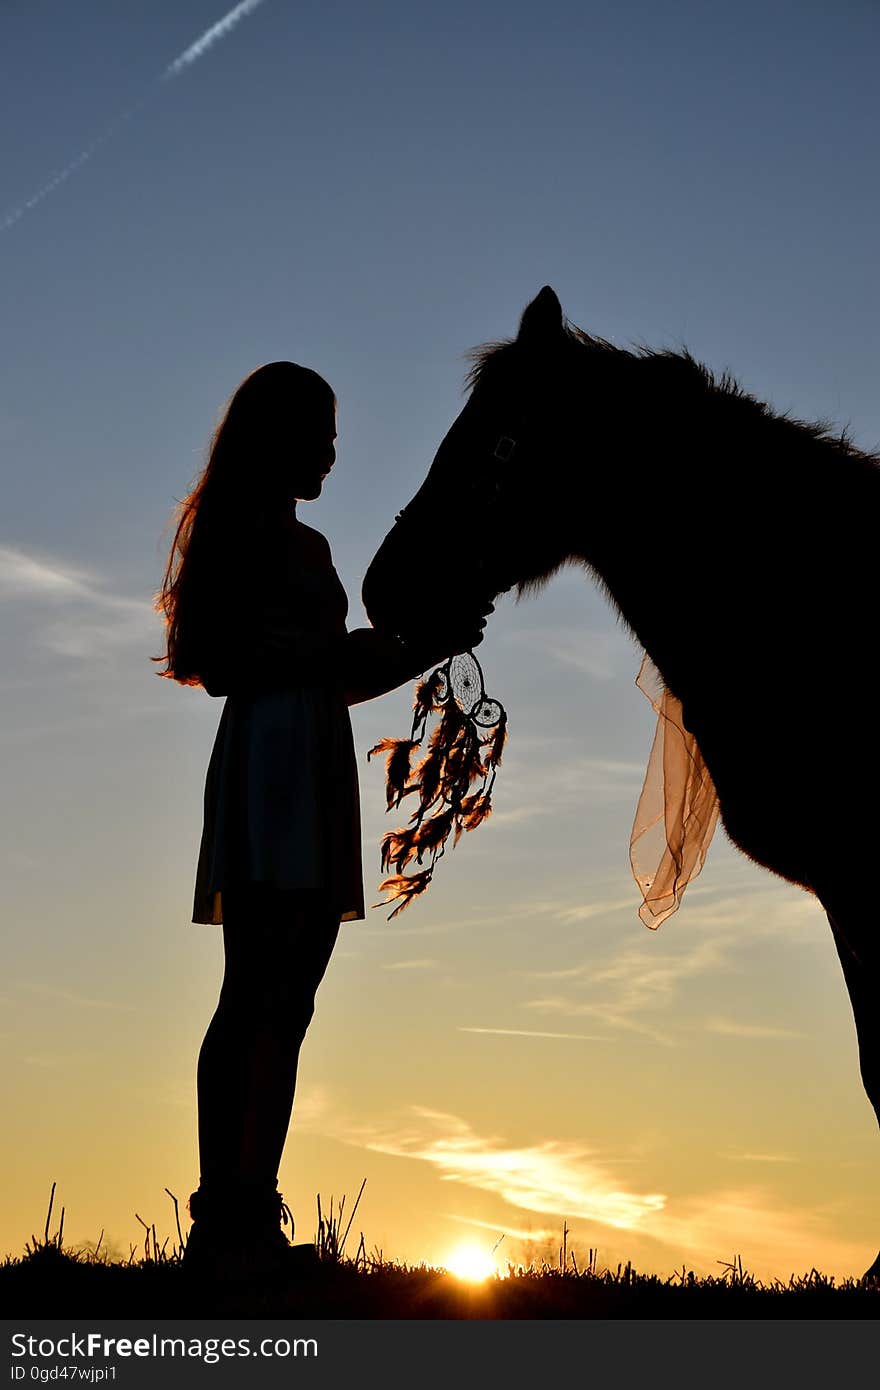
455, 757
443, 778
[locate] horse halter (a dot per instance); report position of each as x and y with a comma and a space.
504, 449
502, 453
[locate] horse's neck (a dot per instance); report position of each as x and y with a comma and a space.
649, 541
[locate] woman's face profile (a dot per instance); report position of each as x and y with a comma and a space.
314, 452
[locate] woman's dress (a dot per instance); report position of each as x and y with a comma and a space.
282, 801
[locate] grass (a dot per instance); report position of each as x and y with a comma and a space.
50, 1280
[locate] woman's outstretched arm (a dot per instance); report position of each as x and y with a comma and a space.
376, 663
365, 662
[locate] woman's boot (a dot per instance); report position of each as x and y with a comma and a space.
236, 1234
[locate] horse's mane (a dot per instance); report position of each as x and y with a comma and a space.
668, 364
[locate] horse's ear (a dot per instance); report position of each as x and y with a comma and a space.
542, 318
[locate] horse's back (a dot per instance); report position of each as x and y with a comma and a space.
791, 738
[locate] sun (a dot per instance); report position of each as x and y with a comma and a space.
471, 1263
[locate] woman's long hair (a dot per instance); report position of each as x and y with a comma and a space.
234, 505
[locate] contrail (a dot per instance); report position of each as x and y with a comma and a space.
185, 60
15, 214
209, 38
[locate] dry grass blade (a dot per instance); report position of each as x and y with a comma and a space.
351, 1218
176, 1218
49, 1215
147, 1241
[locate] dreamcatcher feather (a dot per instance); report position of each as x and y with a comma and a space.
458, 753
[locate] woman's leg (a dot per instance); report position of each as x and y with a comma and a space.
275, 959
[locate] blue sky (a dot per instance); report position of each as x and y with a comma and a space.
371, 189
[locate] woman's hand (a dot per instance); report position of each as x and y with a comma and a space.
377, 662
438, 640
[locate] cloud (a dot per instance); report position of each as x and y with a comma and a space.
652, 971
518, 814
599, 908
531, 908
760, 1158
541, 1233
734, 1029
24, 576
53, 1061
631, 985
314, 1109
571, 1182
554, 1178
68, 996
411, 965
555, 784
93, 619
773, 1239
607, 1014
533, 1033
761, 908
572, 779
599, 654
643, 980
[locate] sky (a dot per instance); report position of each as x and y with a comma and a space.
371, 189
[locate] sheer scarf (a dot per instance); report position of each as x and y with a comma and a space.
677, 811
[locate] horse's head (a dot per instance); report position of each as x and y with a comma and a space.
492, 512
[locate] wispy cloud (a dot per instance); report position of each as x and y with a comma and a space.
179, 65
559, 780
624, 991
752, 904
760, 1158
652, 971
775, 1238
553, 1178
600, 907
411, 965
598, 654
58, 1061
533, 1033
571, 1182
69, 996
533, 908
613, 1017
539, 1233
93, 619
733, 1028
314, 1110
25, 576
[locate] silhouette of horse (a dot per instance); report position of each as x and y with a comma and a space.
739, 546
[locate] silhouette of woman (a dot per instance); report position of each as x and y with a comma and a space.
255, 611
